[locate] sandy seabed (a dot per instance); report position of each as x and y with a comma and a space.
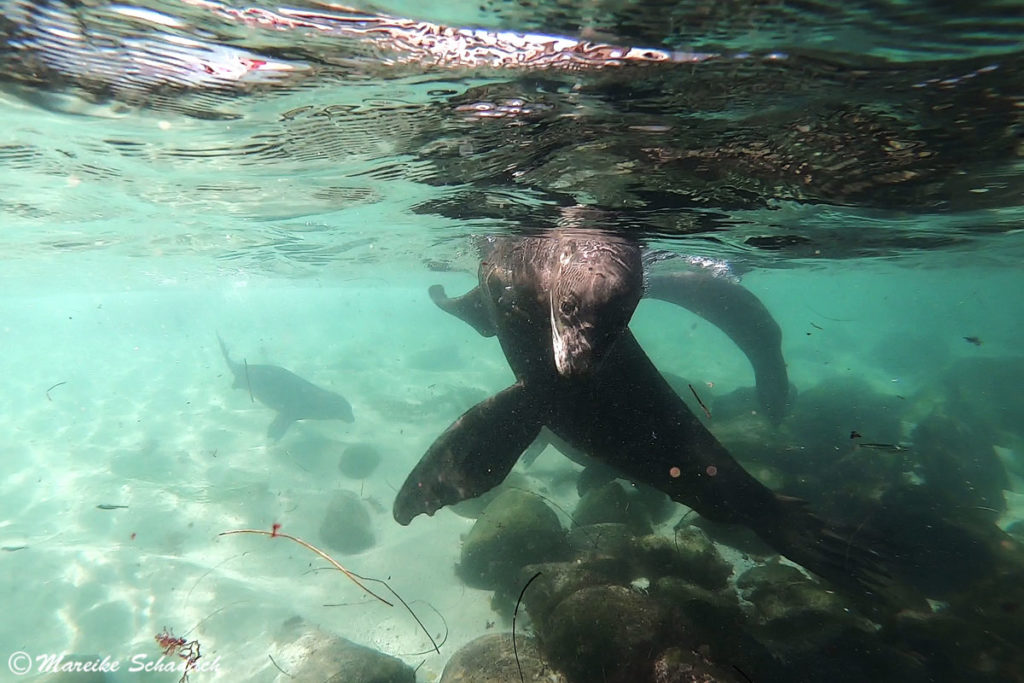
140, 412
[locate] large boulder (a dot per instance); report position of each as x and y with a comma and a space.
516, 529
689, 555
346, 527
318, 656
606, 633
492, 659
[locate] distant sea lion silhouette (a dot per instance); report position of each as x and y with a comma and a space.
611, 404
291, 396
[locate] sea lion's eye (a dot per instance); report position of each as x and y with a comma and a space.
567, 308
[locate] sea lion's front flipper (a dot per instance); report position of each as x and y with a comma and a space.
279, 426
473, 455
468, 308
741, 315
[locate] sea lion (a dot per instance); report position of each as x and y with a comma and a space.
291, 396
618, 410
585, 274
718, 299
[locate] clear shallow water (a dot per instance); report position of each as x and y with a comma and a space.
295, 181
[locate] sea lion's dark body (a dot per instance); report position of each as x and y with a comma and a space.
291, 396
623, 413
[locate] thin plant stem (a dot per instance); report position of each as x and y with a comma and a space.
334, 563
351, 576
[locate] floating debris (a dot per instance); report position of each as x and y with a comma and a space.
58, 384
706, 411
887, 447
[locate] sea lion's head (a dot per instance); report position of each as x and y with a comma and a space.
596, 285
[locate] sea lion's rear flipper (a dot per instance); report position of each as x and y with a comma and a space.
852, 559
741, 315
279, 426
473, 455
468, 308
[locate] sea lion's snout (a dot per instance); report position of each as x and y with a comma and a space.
583, 330
572, 334
595, 287
574, 356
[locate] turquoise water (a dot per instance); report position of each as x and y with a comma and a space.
294, 179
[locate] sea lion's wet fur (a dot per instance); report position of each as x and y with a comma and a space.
593, 288
291, 396
621, 411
